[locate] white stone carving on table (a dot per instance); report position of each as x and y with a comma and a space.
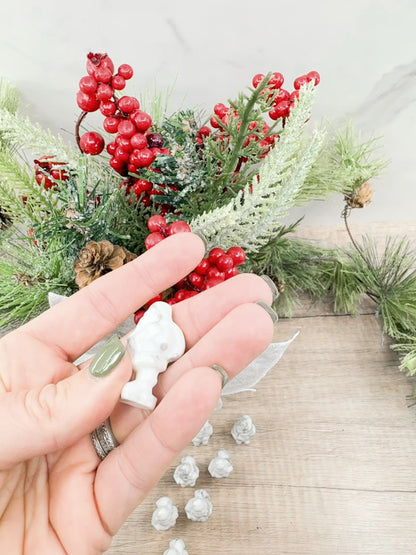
155, 342
176, 547
187, 472
243, 430
165, 515
221, 465
202, 437
199, 507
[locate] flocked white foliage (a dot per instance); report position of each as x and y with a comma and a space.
252, 217
21, 132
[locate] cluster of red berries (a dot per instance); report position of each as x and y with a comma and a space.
284, 100
48, 172
133, 147
220, 120
217, 267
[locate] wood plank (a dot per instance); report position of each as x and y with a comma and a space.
330, 470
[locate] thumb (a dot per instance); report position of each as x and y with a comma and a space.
43, 420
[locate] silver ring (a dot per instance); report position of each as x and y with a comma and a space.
103, 439
221, 372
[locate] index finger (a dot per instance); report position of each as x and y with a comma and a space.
79, 322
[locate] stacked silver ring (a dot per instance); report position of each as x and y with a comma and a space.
103, 439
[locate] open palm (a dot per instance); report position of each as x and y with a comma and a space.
55, 494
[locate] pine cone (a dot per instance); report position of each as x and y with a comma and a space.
362, 197
99, 258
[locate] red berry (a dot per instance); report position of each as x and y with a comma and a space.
110, 124
281, 110
126, 128
88, 84
180, 295
43, 180
108, 108
124, 143
138, 140
220, 110
141, 119
204, 131
59, 175
178, 227
214, 123
111, 148
132, 169
231, 272
118, 82
104, 92
313, 76
225, 262
117, 165
98, 60
142, 186
257, 79
202, 267
103, 74
237, 254
214, 273
294, 96
154, 300
121, 155
141, 158
138, 315
156, 223
126, 104
215, 254
276, 80
196, 280
92, 143
300, 81
212, 282
125, 71
87, 102
153, 239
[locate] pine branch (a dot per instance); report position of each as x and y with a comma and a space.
297, 266
27, 274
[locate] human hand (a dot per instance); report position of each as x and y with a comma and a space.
56, 496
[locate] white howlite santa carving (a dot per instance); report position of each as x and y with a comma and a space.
221, 465
176, 547
199, 507
155, 342
186, 473
165, 515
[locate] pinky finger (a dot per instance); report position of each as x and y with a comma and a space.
130, 472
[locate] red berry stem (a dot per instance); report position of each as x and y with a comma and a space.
77, 126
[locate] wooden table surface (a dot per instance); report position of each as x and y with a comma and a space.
331, 470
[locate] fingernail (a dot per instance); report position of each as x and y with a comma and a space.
107, 357
272, 286
269, 311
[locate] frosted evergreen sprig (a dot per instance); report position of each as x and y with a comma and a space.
19, 132
252, 217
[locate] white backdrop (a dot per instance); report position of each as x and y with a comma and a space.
365, 51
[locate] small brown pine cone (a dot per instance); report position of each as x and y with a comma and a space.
362, 197
97, 259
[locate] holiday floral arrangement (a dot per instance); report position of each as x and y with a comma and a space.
72, 212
